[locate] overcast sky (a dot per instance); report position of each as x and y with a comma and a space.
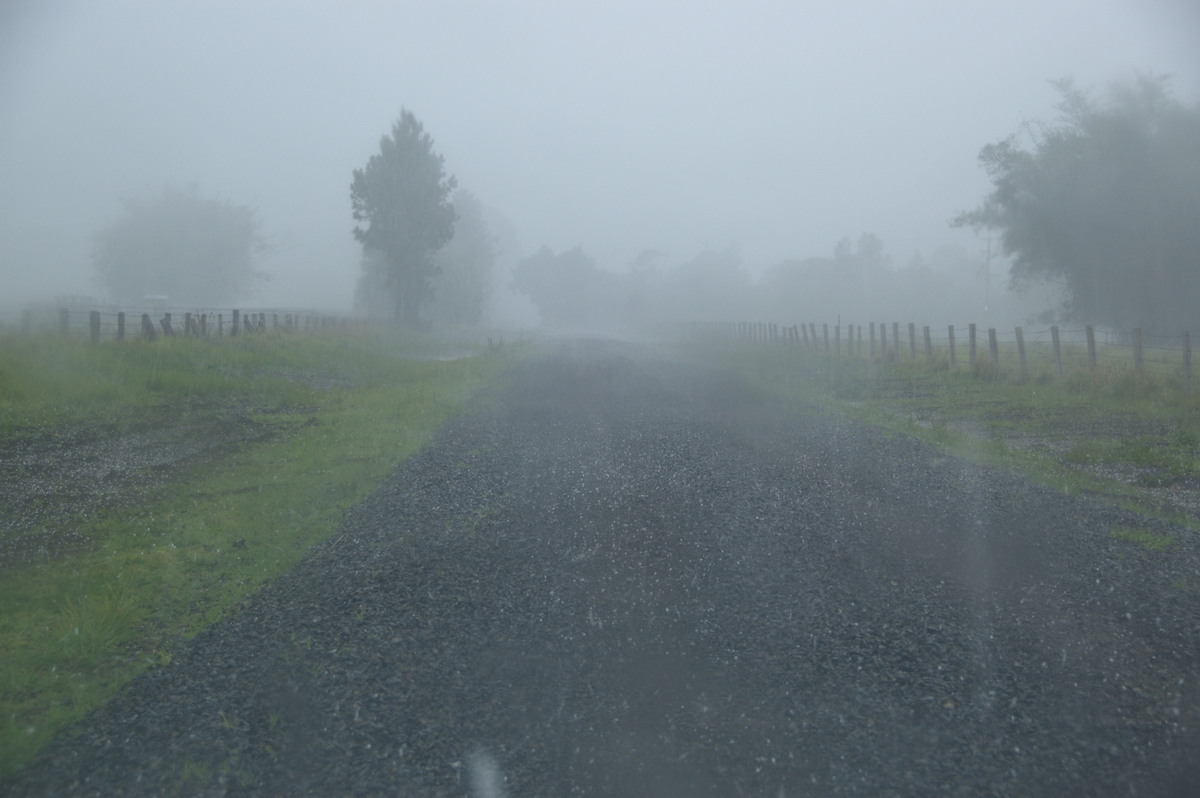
774, 127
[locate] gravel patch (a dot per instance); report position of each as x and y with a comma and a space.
617, 576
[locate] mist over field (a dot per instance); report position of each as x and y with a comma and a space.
659, 140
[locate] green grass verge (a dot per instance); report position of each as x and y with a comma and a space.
344, 410
1106, 431
1149, 540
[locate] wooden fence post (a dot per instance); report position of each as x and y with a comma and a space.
1058, 364
883, 341
928, 343
1187, 363
993, 345
912, 341
1090, 331
1137, 350
148, 328
167, 329
1021, 353
94, 325
872, 340
121, 325
896, 339
189, 328
812, 330
837, 339
233, 328
953, 356
971, 345
64, 321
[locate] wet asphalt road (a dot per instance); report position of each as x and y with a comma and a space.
619, 575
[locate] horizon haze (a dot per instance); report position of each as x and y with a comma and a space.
769, 129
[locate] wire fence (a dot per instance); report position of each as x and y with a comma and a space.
1024, 353
149, 323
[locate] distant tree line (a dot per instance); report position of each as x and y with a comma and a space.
856, 281
1102, 206
1103, 202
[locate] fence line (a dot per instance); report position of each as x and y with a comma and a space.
114, 324
1076, 346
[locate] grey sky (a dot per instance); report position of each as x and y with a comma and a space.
775, 127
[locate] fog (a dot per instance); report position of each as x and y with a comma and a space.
772, 130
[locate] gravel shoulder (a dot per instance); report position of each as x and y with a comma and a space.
618, 576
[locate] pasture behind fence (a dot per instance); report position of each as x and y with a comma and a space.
1053, 352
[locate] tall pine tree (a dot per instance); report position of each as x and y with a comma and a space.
403, 197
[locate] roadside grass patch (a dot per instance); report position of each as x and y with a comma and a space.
343, 410
1142, 537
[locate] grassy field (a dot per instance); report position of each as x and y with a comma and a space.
334, 413
1133, 438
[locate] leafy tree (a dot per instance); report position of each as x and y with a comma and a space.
1106, 201
403, 195
463, 281
462, 277
567, 288
180, 244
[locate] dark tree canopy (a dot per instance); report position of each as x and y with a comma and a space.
462, 279
1106, 201
403, 196
179, 244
